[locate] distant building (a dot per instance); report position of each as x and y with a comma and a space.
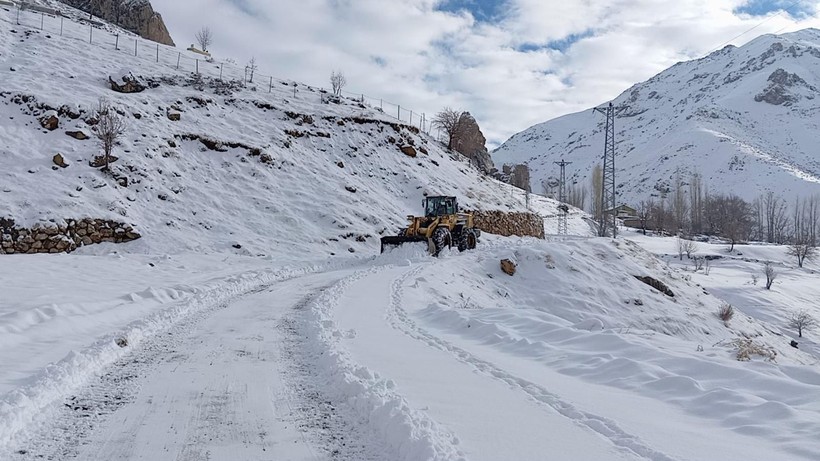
624, 212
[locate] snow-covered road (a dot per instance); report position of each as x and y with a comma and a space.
490, 417
408, 357
228, 383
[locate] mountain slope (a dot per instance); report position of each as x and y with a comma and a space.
746, 119
267, 166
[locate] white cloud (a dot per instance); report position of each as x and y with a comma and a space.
410, 53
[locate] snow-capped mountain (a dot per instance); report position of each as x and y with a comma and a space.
746, 119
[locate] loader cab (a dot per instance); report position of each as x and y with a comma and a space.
440, 206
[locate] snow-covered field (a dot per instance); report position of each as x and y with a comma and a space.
305, 344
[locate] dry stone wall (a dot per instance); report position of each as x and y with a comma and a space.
507, 224
62, 238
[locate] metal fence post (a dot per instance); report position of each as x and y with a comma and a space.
61, 26
90, 33
270, 86
399, 113
157, 52
197, 66
178, 56
411, 117
19, 7
117, 42
220, 69
42, 20
135, 46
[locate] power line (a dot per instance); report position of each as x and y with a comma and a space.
780, 13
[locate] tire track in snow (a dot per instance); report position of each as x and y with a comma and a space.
49, 418
400, 320
407, 433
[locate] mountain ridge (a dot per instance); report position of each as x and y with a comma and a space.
742, 117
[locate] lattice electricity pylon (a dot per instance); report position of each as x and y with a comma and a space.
608, 190
563, 209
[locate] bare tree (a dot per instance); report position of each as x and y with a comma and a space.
250, 69
698, 262
687, 247
803, 242
577, 196
680, 207
204, 38
451, 121
645, 212
597, 184
109, 128
696, 203
728, 216
802, 251
802, 321
337, 82
770, 273
775, 217
658, 214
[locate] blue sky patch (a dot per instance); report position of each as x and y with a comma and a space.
561, 45
799, 9
482, 10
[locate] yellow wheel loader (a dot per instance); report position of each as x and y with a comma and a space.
442, 226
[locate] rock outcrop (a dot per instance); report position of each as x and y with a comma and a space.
469, 141
517, 175
135, 15
61, 238
779, 92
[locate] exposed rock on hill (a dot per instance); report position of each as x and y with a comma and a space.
135, 15
472, 144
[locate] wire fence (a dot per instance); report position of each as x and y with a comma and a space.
143, 51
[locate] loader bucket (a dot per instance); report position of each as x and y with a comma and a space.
394, 241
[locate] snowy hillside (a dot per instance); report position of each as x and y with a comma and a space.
256, 319
265, 168
747, 119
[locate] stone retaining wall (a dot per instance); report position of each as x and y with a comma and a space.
507, 224
62, 238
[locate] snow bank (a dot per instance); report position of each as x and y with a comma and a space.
410, 434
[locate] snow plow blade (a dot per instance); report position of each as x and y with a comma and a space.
388, 242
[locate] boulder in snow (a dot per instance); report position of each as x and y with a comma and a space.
59, 161
508, 266
50, 121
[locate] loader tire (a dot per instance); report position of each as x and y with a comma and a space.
441, 239
467, 240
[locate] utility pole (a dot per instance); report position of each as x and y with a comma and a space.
608, 189
563, 209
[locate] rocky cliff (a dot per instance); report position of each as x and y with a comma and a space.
135, 15
471, 143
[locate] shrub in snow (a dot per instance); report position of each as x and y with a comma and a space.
726, 312
746, 348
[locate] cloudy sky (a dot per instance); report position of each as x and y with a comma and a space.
511, 63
